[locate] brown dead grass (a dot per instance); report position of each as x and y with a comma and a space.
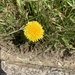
37, 55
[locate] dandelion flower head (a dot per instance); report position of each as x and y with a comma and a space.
33, 31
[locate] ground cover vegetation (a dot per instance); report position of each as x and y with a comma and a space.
57, 17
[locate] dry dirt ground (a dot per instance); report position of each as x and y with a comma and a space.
12, 54
29, 69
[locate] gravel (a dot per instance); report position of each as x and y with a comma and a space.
28, 69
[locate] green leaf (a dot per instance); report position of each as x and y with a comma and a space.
71, 3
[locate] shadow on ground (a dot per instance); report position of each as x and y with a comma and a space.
1, 71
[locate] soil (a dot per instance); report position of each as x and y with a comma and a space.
28, 54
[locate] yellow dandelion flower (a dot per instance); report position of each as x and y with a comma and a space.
33, 31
